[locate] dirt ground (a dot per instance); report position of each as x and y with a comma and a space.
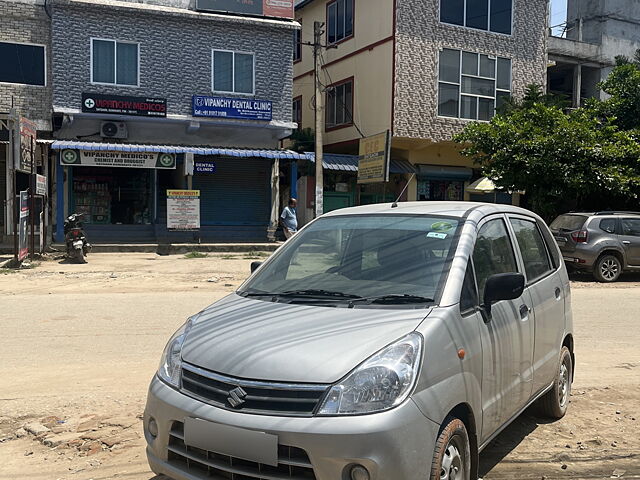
81, 342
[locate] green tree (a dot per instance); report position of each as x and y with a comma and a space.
561, 160
623, 86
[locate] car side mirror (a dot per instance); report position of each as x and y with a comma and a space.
255, 266
502, 286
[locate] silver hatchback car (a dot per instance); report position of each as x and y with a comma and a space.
386, 342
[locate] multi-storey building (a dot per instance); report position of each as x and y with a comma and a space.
594, 33
25, 85
177, 92
421, 69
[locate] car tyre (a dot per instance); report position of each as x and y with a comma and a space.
555, 402
452, 455
607, 269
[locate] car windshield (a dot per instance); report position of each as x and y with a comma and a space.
384, 259
568, 223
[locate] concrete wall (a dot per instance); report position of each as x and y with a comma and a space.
26, 21
367, 56
421, 36
175, 54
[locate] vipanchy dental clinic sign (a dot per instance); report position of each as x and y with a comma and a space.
235, 108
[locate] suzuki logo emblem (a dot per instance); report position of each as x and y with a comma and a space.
236, 397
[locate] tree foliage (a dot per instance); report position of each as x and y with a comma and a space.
562, 159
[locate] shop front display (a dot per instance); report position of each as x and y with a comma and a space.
442, 183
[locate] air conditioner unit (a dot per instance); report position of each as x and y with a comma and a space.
113, 130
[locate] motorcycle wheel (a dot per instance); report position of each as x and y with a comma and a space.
79, 256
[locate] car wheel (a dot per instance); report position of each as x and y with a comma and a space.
607, 269
555, 402
452, 456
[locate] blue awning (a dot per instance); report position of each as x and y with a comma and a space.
223, 152
349, 163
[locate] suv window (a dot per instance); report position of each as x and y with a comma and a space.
532, 247
608, 225
631, 226
568, 223
469, 295
493, 253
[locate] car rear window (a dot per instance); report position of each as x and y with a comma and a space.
568, 222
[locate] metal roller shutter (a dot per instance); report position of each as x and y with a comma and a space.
3, 184
238, 193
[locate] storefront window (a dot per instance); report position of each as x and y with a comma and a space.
113, 196
442, 190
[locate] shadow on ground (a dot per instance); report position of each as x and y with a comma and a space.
509, 439
583, 277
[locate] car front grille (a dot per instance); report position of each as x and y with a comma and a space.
248, 396
293, 463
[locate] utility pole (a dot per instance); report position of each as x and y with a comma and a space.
317, 45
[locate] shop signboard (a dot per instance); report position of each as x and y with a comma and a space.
25, 152
263, 8
373, 161
41, 185
124, 105
234, 108
23, 249
205, 167
183, 210
104, 158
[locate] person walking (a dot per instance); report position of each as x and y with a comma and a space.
289, 219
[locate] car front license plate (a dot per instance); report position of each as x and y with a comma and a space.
236, 442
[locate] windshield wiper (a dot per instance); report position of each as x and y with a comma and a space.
395, 299
316, 293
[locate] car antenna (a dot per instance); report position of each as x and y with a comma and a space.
395, 204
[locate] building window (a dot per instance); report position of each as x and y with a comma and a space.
297, 111
472, 85
114, 62
233, 72
339, 20
491, 15
339, 104
22, 63
297, 45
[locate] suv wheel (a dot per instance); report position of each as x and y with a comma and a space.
607, 269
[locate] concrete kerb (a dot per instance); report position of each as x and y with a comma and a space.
178, 248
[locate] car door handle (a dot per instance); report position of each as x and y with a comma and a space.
626, 242
524, 312
558, 293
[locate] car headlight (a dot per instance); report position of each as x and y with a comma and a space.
380, 383
171, 361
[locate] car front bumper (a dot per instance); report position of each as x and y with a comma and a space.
397, 444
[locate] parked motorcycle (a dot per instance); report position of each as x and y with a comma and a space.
77, 245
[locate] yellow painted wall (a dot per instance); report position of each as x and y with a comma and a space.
371, 68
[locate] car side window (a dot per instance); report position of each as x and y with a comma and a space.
493, 253
532, 247
469, 294
631, 227
608, 225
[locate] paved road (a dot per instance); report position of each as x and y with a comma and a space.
82, 342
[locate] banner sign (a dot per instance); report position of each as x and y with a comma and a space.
205, 167
373, 161
124, 105
183, 209
25, 152
41, 185
23, 249
99, 158
264, 8
237, 108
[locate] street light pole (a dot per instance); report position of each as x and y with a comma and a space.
317, 45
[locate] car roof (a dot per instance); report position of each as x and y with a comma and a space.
601, 214
450, 209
